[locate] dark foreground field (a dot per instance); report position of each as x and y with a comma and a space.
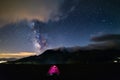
67, 72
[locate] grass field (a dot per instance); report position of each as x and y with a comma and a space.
67, 72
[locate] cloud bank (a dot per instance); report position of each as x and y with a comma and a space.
43, 10
107, 37
107, 41
12, 10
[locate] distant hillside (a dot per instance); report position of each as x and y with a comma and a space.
72, 56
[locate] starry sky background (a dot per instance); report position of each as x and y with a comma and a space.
69, 23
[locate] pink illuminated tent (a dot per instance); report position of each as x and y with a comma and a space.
53, 70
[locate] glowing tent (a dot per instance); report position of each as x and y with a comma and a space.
53, 70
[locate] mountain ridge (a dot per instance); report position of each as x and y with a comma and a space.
70, 56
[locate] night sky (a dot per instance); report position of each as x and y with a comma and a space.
68, 23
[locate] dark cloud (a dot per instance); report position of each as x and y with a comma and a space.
108, 41
106, 37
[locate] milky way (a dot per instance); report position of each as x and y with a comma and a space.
40, 43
